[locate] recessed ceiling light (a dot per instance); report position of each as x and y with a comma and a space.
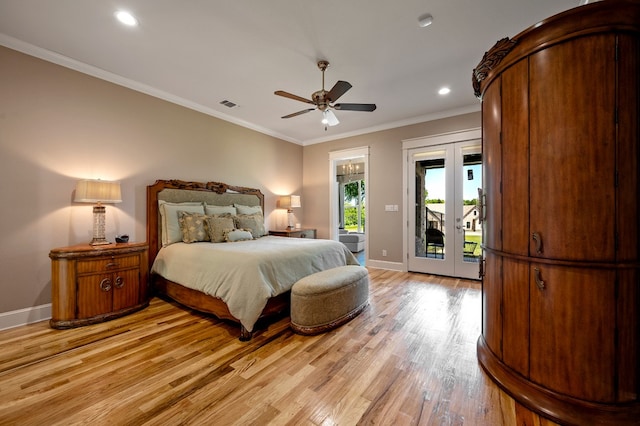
444, 91
126, 18
425, 20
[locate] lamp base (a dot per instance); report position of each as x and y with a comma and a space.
99, 242
290, 219
98, 226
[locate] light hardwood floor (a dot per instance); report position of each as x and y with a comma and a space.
408, 359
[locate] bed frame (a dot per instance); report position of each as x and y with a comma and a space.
214, 193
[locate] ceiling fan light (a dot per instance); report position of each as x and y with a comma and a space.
330, 118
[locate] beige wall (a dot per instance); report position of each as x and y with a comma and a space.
58, 125
385, 180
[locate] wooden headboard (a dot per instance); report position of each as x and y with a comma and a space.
177, 191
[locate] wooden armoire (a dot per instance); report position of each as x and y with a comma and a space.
561, 194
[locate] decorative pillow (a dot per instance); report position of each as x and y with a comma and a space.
193, 227
248, 209
211, 209
238, 235
169, 219
218, 225
253, 223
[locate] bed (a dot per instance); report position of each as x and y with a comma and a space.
242, 281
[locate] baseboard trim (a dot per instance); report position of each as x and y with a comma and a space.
381, 264
24, 316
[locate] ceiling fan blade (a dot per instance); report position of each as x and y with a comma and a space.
304, 111
292, 96
330, 118
338, 89
355, 107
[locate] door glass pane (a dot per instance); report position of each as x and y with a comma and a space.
354, 206
430, 208
469, 224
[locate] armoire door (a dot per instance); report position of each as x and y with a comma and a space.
572, 326
577, 142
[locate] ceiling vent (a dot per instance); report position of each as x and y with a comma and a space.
228, 104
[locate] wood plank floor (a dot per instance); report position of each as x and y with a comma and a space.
408, 359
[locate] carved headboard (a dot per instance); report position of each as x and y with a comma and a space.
177, 191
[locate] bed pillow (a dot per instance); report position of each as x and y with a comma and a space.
193, 227
238, 235
169, 219
211, 209
253, 223
218, 225
248, 209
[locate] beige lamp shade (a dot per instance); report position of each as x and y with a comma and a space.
289, 202
97, 191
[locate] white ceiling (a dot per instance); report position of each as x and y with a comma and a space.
198, 53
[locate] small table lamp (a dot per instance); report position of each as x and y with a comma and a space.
98, 191
290, 202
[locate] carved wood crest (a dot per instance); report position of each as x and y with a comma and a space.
217, 187
490, 60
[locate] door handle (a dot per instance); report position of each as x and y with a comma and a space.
105, 284
538, 239
119, 282
480, 205
539, 281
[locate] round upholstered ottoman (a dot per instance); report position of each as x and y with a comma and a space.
328, 299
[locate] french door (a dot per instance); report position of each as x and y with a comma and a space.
445, 231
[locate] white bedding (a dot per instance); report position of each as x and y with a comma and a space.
246, 274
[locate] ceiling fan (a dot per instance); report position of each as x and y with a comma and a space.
324, 100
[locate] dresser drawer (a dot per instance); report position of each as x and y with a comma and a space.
88, 266
307, 233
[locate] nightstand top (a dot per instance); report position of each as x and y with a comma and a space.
87, 250
288, 231
295, 233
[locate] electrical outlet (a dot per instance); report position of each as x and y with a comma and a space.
384, 253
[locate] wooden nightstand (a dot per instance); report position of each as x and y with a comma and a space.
91, 284
294, 233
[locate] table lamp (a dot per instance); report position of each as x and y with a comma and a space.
98, 192
290, 202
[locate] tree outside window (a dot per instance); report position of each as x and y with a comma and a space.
354, 206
